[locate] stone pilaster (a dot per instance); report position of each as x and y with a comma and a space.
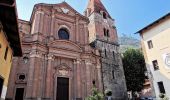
29, 89
77, 29
52, 24
78, 78
86, 34
49, 77
88, 76
37, 73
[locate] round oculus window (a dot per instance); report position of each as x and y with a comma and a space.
63, 34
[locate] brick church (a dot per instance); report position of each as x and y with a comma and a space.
65, 54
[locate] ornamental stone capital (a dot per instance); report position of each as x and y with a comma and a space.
50, 57
36, 53
88, 62
77, 61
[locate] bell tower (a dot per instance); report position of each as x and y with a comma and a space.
101, 24
103, 36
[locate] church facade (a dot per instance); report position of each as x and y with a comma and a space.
65, 54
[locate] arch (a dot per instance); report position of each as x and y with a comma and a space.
63, 34
64, 27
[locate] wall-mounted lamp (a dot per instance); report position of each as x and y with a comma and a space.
25, 59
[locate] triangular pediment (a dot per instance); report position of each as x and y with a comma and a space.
63, 8
67, 9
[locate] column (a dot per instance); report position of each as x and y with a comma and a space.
49, 76
77, 78
52, 24
77, 29
41, 24
86, 33
88, 76
36, 79
30, 75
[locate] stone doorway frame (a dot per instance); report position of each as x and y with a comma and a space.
66, 72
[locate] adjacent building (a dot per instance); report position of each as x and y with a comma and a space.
9, 42
156, 48
65, 54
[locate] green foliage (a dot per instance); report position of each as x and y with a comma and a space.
96, 95
163, 96
134, 68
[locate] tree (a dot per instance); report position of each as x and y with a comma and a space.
134, 68
96, 95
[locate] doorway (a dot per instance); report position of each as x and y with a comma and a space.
19, 95
1, 85
62, 88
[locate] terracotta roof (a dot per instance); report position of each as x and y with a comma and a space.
155, 22
97, 6
10, 25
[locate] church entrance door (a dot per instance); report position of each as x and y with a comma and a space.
62, 88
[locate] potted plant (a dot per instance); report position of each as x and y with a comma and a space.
163, 96
96, 95
108, 94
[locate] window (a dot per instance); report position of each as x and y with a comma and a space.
105, 52
155, 65
1, 85
104, 15
63, 34
161, 87
113, 74
108, 35
105, 32
6, 52
150, 45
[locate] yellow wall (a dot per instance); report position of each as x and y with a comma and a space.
160, 36
5, 65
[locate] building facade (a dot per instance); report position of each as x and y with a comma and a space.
8, 35
60, 60
156, 48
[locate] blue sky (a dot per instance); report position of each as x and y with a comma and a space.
129, 15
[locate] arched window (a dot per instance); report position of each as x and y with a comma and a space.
63, 34
104, 30
108, 35
104, 15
